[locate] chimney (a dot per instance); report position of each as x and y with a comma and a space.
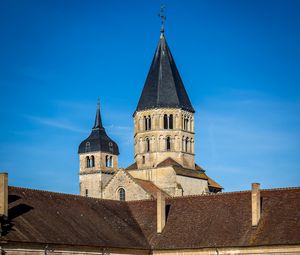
3, 194
255, 197
161, 211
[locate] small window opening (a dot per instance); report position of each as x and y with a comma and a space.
86, 192
147, 145
145, 123
87, 147
149, 122
106, 161
88, 162
171, 121
186, 144
92, 161
168, 144
165, 121
143, 159
122, 194
110, 161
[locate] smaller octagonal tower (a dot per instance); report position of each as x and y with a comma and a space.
98, 156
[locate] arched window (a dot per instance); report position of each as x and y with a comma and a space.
122, 194
143, 160
165, 121
110, 161
147, 145
168, 143
88, 162
106, 161
185, 123
171, 121
186, 144
145, 123
149, 122
92, 161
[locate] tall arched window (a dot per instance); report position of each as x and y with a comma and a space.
171, 121
168, 143
145, 123
186, 144
165, 121
149, 122
88, 162
147, 145
106, 161
92, 161
122, 195
110, 161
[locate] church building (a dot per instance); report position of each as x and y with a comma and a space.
162, 204
164, 142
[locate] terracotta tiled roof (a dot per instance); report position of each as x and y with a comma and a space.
190, 173
223, 220
168, 162
213, 183
218, 220
47, 217
150, 187
132, 166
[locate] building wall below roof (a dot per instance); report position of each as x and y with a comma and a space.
271, 250
67, 250
164, 178
192, 186
133, 191
92, 184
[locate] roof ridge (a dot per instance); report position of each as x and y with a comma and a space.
61, 193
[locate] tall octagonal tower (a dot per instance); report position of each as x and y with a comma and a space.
164, 117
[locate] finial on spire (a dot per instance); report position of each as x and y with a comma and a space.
163, 18
98, 103
98, 122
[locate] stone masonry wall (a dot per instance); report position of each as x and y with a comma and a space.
122, 180
150, 143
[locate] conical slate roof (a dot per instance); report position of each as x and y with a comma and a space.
163, 87
98, 140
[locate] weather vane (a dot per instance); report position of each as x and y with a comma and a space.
163, 17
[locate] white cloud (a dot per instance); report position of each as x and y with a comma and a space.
60, 124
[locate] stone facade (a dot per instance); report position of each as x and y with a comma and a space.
163, 133
123, 180
96, 169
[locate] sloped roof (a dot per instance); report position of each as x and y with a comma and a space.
163, 87
98, 140
218, 220
133, 166
47, 217
213, 183
180, 170
223, 220
149, 187
168, 162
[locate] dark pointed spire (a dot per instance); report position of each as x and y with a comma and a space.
98, 121
98, 140
163, 87
163, 19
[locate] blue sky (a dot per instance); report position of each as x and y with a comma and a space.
239, 61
